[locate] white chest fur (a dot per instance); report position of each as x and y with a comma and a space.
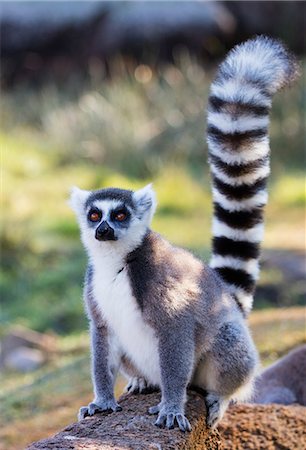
113, 293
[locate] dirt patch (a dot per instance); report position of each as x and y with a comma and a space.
264, 427
244, 427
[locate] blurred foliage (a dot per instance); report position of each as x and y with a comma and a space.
131, 130
128, 131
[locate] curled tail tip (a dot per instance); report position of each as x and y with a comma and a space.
264, 60
283, 60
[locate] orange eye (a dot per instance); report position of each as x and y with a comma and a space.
94, 215
120, 217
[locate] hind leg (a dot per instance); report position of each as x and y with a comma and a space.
205, 381
216, 406
226, 372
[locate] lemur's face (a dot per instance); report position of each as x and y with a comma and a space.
110, 215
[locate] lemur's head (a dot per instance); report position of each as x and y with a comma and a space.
113, 216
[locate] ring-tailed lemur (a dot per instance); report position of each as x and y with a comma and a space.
284, 381
157, 312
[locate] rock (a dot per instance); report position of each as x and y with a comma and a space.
254, 427
243, 427
290, 268
133, 428
16, 348
24, 359
291, 263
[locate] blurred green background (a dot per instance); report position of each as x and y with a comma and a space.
138, 128
141, 124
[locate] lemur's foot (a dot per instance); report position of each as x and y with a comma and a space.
216, 407
93, 408
170, 419
138, 385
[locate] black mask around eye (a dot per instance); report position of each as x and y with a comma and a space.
105, 233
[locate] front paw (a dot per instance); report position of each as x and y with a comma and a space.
98, 407
170, 418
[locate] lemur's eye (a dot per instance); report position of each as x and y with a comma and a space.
94, 215
120, 216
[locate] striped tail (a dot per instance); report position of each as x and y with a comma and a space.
237, 134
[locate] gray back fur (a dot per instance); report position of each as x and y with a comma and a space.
284, 381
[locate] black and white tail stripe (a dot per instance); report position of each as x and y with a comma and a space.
237, 134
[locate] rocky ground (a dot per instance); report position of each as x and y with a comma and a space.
268, 427
244, 427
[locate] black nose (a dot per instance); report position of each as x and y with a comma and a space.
104, 232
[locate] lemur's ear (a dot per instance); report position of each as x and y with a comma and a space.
145, 201
77, 199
